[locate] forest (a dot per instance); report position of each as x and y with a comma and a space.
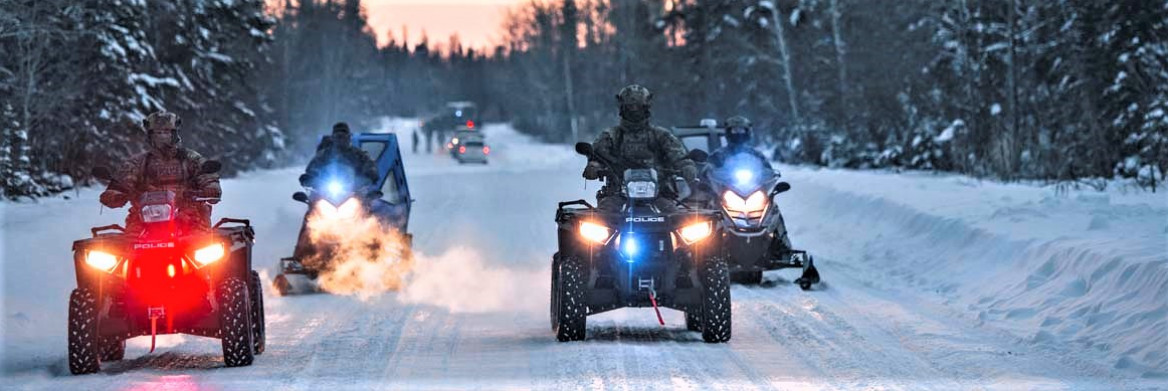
1058, 91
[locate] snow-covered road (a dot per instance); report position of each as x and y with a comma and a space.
973, 286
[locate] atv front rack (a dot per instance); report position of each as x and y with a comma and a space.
560, 210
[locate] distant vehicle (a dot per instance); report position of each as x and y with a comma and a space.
454, 116
707, 136
337, 197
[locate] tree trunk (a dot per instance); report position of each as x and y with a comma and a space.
785, 54
840, 52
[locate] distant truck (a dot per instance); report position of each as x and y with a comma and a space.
454, 116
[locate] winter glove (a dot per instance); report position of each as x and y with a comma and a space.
113, 198
593, 170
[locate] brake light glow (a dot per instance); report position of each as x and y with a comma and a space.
462, 149
486, 150
470, 124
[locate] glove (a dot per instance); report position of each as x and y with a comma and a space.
592, 171
113, 198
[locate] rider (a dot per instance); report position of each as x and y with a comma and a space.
636, 143
164, 166
738, 130
339, 149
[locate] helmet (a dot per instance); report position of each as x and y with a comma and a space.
162, 120
341, 134
738, 130
634, 102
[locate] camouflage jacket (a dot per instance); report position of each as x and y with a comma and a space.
644, 145
153, 171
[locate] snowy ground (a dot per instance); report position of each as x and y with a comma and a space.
933, 282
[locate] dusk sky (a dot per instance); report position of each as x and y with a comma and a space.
477, 22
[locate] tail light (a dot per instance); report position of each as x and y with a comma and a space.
486, 150
462, 149
470, 124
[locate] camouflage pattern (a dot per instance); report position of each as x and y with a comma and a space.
635, 95
156, 170
161, 120
636, 143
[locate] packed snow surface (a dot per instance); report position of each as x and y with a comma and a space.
932, 282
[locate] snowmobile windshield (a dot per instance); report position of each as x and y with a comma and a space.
744, 171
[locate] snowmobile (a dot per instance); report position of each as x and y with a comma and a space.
637, 257
339, 195
745, 188
168, 279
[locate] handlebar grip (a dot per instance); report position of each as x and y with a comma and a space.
225, 220
111, 227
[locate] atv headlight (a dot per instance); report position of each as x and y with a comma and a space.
208, 255
755, 203
695, 232
156, 213
642, 190
349, 208
595, 232
101, 260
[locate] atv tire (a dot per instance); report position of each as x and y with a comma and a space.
113, 349
258, 327
84, 346
235, 323
716, 309
746, 278
693, 321
569, 294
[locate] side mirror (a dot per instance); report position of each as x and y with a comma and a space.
781, 187
210, 167
103, 173
304, 180
584, 148
300, 196
697, 155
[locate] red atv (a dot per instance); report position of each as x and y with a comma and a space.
165, 280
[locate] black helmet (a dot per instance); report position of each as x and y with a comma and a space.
738, 130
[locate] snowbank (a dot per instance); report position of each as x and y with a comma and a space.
1082, 270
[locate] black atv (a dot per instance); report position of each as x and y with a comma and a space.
755, 237
167, 279
637, 257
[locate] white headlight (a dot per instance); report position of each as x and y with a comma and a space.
642, 190
755, 203
349, 208
743, 176
335, 188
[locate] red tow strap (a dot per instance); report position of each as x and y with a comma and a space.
153, 331
653, 299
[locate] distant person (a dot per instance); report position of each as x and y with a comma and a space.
415, 137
